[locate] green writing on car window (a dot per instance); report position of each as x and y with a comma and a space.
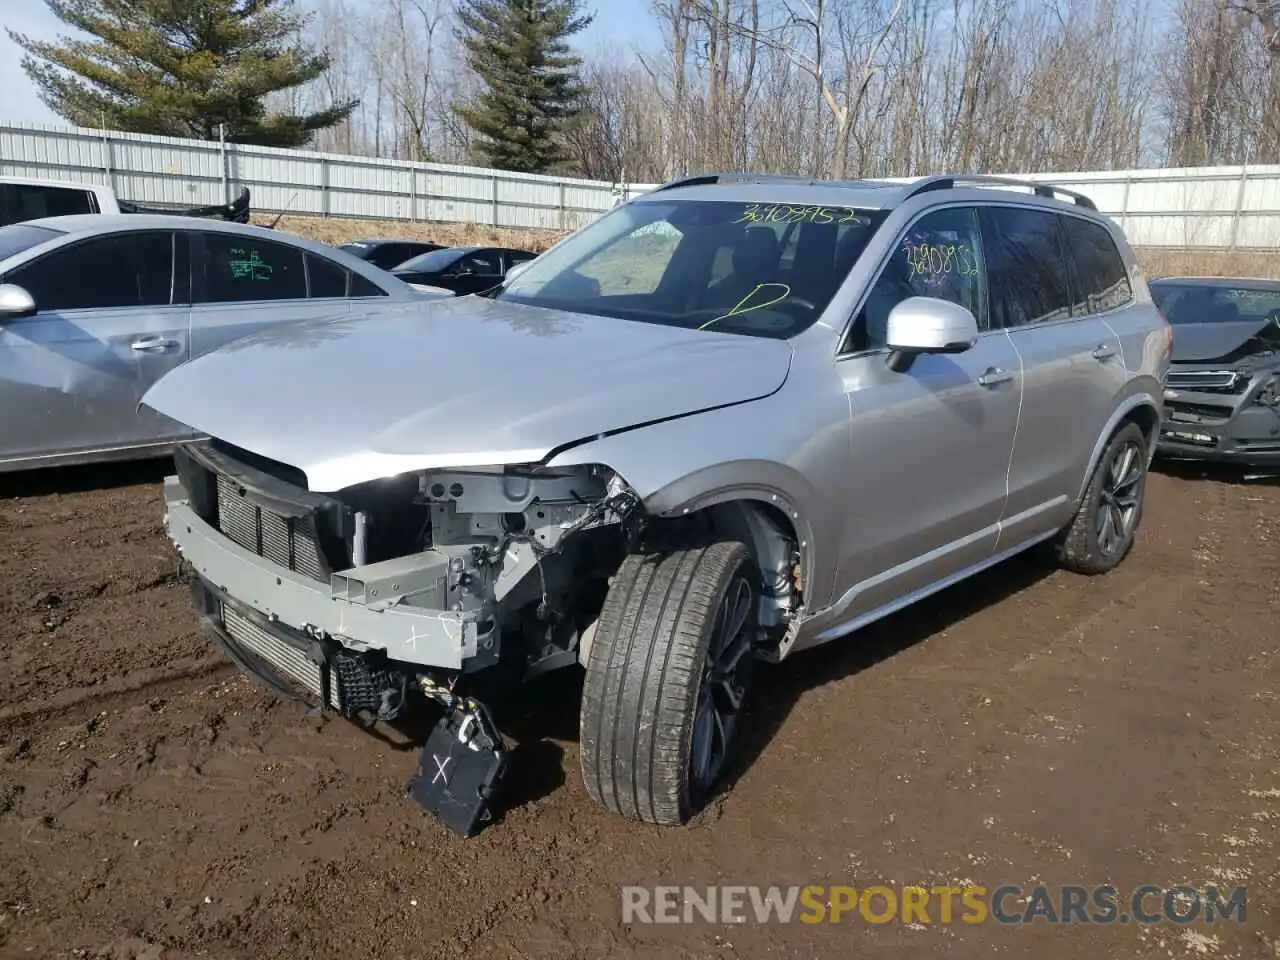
755, 300
782, 213
931, 259
249, 265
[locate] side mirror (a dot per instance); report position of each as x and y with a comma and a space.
15, 302
928, 325
516, 269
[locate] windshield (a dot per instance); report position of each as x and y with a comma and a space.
1190, 303
21, 236
765, 270
432, 262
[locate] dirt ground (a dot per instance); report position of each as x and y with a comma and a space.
1030, 726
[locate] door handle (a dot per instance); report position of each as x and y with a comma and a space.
153, 344
1103, 351
994, 377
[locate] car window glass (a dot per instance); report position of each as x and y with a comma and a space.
485, 263
18, 237
940, 256
634, 264
362, 287
1205, 303
325, 278
1101, 277
429, 262
1026, 264
240, 268
120, 270
22, 201
764, 269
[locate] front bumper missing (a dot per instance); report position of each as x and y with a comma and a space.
413, 635
1222, 426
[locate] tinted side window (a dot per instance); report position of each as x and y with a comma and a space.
941, 256
246, 268
360, 287
389, 255
482, 264
1102, 280
121, 270
20, 202
1027, 266
325, 278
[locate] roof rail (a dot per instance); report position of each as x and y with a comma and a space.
948, 181
704, 179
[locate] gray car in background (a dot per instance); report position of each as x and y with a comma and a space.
1222, 396
735, 418
94, 309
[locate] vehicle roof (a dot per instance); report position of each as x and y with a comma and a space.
868, 194
93, 224
379, 241
1261, 283
865, 194
46, 182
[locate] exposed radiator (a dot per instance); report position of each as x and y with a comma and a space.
288, 541
287, 659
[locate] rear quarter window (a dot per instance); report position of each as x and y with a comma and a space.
1101, 280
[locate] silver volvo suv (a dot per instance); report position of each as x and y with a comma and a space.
732, 419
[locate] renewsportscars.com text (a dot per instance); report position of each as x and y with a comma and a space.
1005, 904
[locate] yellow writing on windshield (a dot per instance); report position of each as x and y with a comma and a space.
753, 302
784, 213
939, 258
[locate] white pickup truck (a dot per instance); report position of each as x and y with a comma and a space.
24, 198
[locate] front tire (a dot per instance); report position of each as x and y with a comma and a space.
1106, 522
666, 676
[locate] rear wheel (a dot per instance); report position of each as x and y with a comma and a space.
669, 667
1107, 520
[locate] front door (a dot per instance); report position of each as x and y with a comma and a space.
71, 375
930, 446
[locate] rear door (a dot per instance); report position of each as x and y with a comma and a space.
1071, 361
242, 284
109, 317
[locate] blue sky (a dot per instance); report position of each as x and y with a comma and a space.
619, 24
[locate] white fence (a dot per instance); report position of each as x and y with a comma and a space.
1215, 207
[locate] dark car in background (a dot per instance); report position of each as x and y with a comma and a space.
461, 270
1222, 396
389, 253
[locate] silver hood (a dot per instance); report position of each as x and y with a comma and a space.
460, 382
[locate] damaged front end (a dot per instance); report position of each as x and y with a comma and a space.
1226, 409
446, 570
408, 588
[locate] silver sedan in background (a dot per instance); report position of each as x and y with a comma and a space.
94, 309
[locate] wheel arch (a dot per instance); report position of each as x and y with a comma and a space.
759, 502
1141, 408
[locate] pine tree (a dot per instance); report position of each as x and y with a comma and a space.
180, 68
519, 49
